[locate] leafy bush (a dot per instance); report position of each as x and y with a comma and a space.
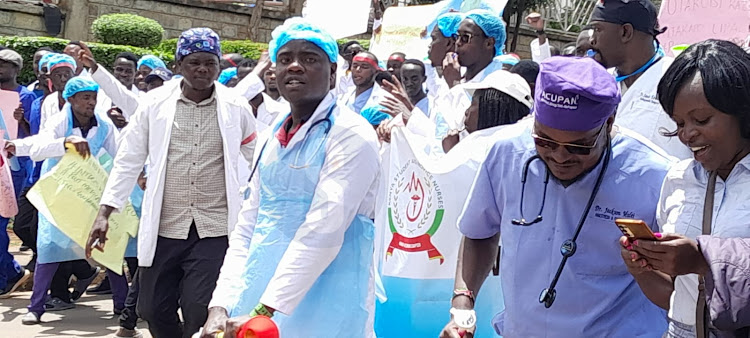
127, 29
103, 53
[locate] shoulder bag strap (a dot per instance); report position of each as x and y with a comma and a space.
701, 320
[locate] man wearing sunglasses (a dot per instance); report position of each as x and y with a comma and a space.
479, 40
554, 185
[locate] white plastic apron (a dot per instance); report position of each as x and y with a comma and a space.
52, 244
337, 304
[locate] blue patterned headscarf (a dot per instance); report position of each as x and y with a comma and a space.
196, 40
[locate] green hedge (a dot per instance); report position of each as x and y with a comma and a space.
103, 53
127, 29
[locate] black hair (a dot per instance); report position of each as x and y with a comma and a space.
247, 63
416, 63
497, 108
380, 76
725, 72
554, 51
45, 48
128, 56
347, 45
527, 69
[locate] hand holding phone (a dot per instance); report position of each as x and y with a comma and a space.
635, 229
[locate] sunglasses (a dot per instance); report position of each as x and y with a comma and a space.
464, 37
572, 148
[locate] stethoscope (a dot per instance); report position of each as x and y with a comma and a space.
329, 124
568, 248
619, 78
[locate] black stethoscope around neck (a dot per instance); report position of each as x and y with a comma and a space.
568, 248
327, 120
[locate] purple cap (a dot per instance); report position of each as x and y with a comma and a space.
574, 94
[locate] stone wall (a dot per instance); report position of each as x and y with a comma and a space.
22, 19
231, 22
526, 35
26, 18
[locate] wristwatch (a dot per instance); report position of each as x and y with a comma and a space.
465, 319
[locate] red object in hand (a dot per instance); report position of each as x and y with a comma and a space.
259, 327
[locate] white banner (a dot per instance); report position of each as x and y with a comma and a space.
340, 18
423, 198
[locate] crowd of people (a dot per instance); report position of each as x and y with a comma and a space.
257, 182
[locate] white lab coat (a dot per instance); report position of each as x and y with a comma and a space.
641, 112
50, 106
123, 98
50, 142
540, 52
348, 186
148, 135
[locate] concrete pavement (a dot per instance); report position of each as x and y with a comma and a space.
92, 317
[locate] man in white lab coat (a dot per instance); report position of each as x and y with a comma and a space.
365, 92
304, 241
624, 38
193, 134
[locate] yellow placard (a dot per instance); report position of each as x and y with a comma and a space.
68, 196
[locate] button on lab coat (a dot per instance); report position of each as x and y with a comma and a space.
148, 135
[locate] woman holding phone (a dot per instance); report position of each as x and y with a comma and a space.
706, 91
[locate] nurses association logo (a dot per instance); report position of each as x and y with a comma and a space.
415, 211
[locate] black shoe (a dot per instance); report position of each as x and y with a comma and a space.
81, 285
15, 283
24, 248
32, 264
102, 289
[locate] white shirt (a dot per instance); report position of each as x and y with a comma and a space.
50, 142
347, 186
435, 84
147, 136
540, 52
640, 111
681, 211
270, 109
50, 107
453, 106
344, 81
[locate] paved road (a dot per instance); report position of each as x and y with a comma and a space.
92, 317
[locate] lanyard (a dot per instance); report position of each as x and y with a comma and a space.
657, 56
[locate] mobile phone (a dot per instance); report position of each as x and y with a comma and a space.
635, 229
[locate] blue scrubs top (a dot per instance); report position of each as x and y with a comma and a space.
596, 296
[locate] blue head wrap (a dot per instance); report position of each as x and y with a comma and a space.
227, 74
79, 84
196, 40
492, 25
61, 60
45, 60
298, 29
448, 23
374, 115
151, 61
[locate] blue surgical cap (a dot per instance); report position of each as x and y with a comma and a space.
492, 25
227, 74
151, 61
45, 60
448, 23
298, 29
507, 59
374, 115
79, 84
61, 60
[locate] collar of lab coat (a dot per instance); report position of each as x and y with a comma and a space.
320, 113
